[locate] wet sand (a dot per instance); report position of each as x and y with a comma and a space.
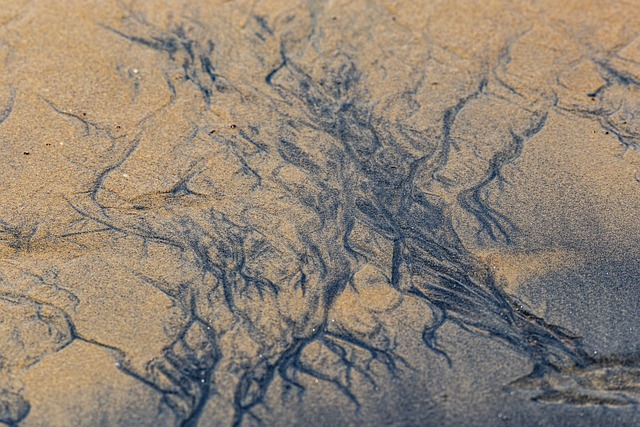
322, 213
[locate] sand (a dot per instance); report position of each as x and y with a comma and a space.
322, 213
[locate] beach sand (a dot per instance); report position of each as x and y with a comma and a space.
319, 213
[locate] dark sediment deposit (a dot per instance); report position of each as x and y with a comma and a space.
244, 213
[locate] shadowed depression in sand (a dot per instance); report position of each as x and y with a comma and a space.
218, 213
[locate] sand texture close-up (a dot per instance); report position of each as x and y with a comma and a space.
319, 213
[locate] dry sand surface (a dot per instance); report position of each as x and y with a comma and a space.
218, 213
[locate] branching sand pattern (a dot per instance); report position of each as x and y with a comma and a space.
305, 180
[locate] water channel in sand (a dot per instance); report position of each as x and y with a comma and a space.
329, 213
